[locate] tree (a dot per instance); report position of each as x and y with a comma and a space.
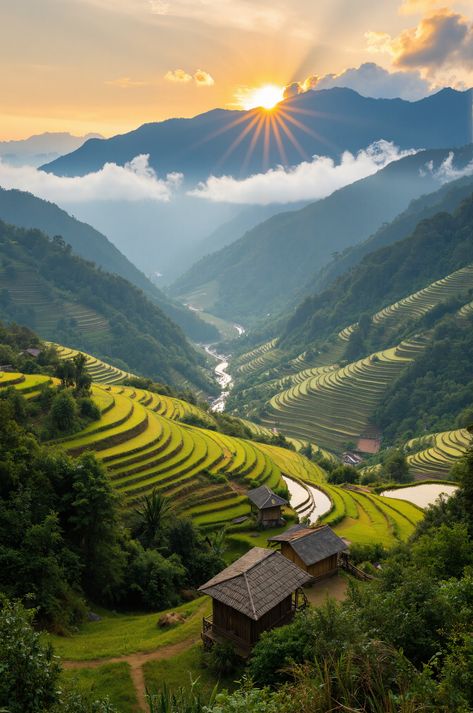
64, 412
343, 474
396, 467
28, 669
151, 516
91, 520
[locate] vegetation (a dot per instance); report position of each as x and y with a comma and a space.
27, 211
401, 643
66, 299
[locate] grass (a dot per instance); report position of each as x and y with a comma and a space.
110, 680
180, 670
123, 634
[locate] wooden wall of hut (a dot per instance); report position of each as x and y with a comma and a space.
324, 568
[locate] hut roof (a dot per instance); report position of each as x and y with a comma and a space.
312, 544
256, 583
263, 497
288, 534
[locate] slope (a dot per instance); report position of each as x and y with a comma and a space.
264, 271
437, 247
64, 298
446, 199
27, 211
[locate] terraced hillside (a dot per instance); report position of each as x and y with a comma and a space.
205, 473
29, 385
50, 310
419, 303
46, 287
438, 453
335, 407
100, 371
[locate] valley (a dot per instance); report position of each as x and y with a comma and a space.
236, 357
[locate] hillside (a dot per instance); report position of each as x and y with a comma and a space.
46, 287
27, 211
437, 247
265, 271
337, 119
446, 199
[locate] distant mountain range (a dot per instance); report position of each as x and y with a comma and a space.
325, 122
26, 211
273, 264
41, 148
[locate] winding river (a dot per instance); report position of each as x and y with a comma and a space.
224, 379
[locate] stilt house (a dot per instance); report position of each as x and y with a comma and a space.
316, 550
267, 505
259, 591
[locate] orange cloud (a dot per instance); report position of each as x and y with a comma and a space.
177, 75
203, 79
442, 39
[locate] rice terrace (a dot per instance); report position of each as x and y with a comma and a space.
236, 356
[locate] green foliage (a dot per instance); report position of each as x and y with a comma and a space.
395, 467
429, 395
28, 669
134, 329
222, 659
343, 474
151, 516
64, 412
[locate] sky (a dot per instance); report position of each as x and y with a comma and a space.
108, 66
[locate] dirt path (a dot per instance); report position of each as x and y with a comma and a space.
136, 662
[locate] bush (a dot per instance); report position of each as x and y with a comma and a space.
88, 409
222, 659
28, 669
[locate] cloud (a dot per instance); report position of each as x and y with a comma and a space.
369, 79
309, 180
442, 39
178, 75
133, 182
126, 83
447, 171
203, 79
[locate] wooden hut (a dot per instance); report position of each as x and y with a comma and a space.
316, 550
259, 591
267, 506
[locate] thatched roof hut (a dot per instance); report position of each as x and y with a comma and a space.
257, 592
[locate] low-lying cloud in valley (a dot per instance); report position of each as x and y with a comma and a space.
135, 181
309, 180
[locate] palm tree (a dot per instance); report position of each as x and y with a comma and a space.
152, 514
218, 541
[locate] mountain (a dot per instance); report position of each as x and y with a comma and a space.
437, 247
447, 198
229, 231
267, 268
26, 211
222, 142
41, 148
64, 298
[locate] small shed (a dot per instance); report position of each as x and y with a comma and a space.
267, 506
316, 550
259, 591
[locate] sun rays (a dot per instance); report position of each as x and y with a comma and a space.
266, 129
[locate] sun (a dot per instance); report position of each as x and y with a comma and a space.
266, 96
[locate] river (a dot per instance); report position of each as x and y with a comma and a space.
224, 379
